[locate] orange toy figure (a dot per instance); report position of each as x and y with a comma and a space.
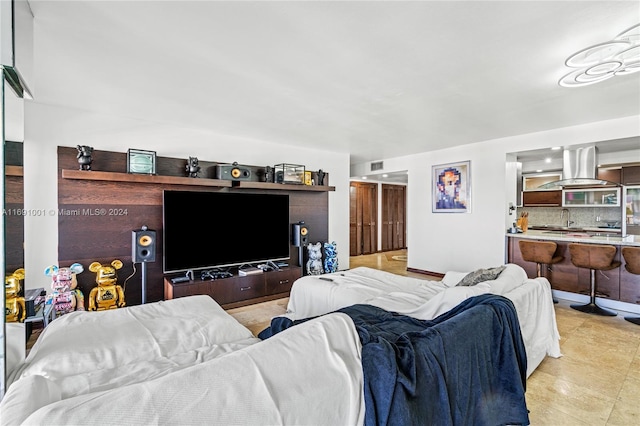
15, 310
108, 294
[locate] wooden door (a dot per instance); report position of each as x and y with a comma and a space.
363, 218
393, 217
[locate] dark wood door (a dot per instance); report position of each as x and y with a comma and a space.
363, 218
393, 217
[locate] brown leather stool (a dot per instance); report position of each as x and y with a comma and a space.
540, 252
595, 257
632, 264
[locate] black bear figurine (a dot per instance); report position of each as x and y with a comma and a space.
84, 157
192, 167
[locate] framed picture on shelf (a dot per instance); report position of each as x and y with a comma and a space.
451, 188
141, 162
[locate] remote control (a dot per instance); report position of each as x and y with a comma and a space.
179, 280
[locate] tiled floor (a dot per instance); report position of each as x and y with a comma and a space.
595, 382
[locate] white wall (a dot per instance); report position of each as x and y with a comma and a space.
440, 242
47, 127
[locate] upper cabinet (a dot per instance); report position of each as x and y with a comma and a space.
542, 198
631, 175
601, 197
626, 175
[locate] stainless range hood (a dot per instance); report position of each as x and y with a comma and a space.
579, 170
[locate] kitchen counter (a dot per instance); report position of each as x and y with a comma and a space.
617, 284
579, 236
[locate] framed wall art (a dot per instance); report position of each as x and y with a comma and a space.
141, 162
451, 187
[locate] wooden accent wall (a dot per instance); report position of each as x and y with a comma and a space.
14, 204
89, 237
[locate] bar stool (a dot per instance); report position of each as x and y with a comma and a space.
595, 257
540, 252
631, 257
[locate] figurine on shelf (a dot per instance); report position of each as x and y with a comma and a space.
66, 297
15, 310
320, 177
84, 157
192, 167
268, 174
108, 294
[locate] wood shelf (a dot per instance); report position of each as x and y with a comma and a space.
180, 180
128, 177
13, 170
283, 186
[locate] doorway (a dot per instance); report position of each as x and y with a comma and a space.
363, 218
394, 231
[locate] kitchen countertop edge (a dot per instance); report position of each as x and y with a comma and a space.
629, 240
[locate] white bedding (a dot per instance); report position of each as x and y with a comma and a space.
273, 382
424, 299
95, 351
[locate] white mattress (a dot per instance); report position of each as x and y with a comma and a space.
95, 351
310, 374
424, 299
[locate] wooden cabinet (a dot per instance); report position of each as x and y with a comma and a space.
542, 198
612, 175
631, 175
238, 291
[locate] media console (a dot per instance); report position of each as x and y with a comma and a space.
237, 290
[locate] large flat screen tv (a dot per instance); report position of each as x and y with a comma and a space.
206, 230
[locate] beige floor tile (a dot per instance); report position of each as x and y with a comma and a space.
576, 401
626, 411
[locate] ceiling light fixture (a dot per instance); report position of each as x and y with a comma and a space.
600, 62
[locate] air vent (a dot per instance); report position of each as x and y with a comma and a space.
378, 165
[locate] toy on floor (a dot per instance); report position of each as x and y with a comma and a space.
66, 297
108, 294
314, 262
15, 310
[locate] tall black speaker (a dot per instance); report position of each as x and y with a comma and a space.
299, 234
143, 245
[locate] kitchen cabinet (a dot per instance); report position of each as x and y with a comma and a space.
601, 197
631, 175
542, 198
612, 175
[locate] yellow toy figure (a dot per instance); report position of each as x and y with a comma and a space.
108, 294
15, 310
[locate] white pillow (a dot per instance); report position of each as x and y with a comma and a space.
512, 277
452, 278
27, 396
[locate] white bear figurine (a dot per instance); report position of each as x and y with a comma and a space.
314, 264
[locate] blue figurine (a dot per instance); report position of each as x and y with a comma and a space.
330, 257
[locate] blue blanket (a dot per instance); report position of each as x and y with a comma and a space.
465, 367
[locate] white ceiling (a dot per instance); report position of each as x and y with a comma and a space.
372, 79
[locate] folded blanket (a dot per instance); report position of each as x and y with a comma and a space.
465, 367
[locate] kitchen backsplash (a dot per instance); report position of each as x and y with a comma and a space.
582, 217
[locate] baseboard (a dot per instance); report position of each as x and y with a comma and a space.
423, 272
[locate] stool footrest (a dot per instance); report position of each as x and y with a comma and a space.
592, 308
635, 321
